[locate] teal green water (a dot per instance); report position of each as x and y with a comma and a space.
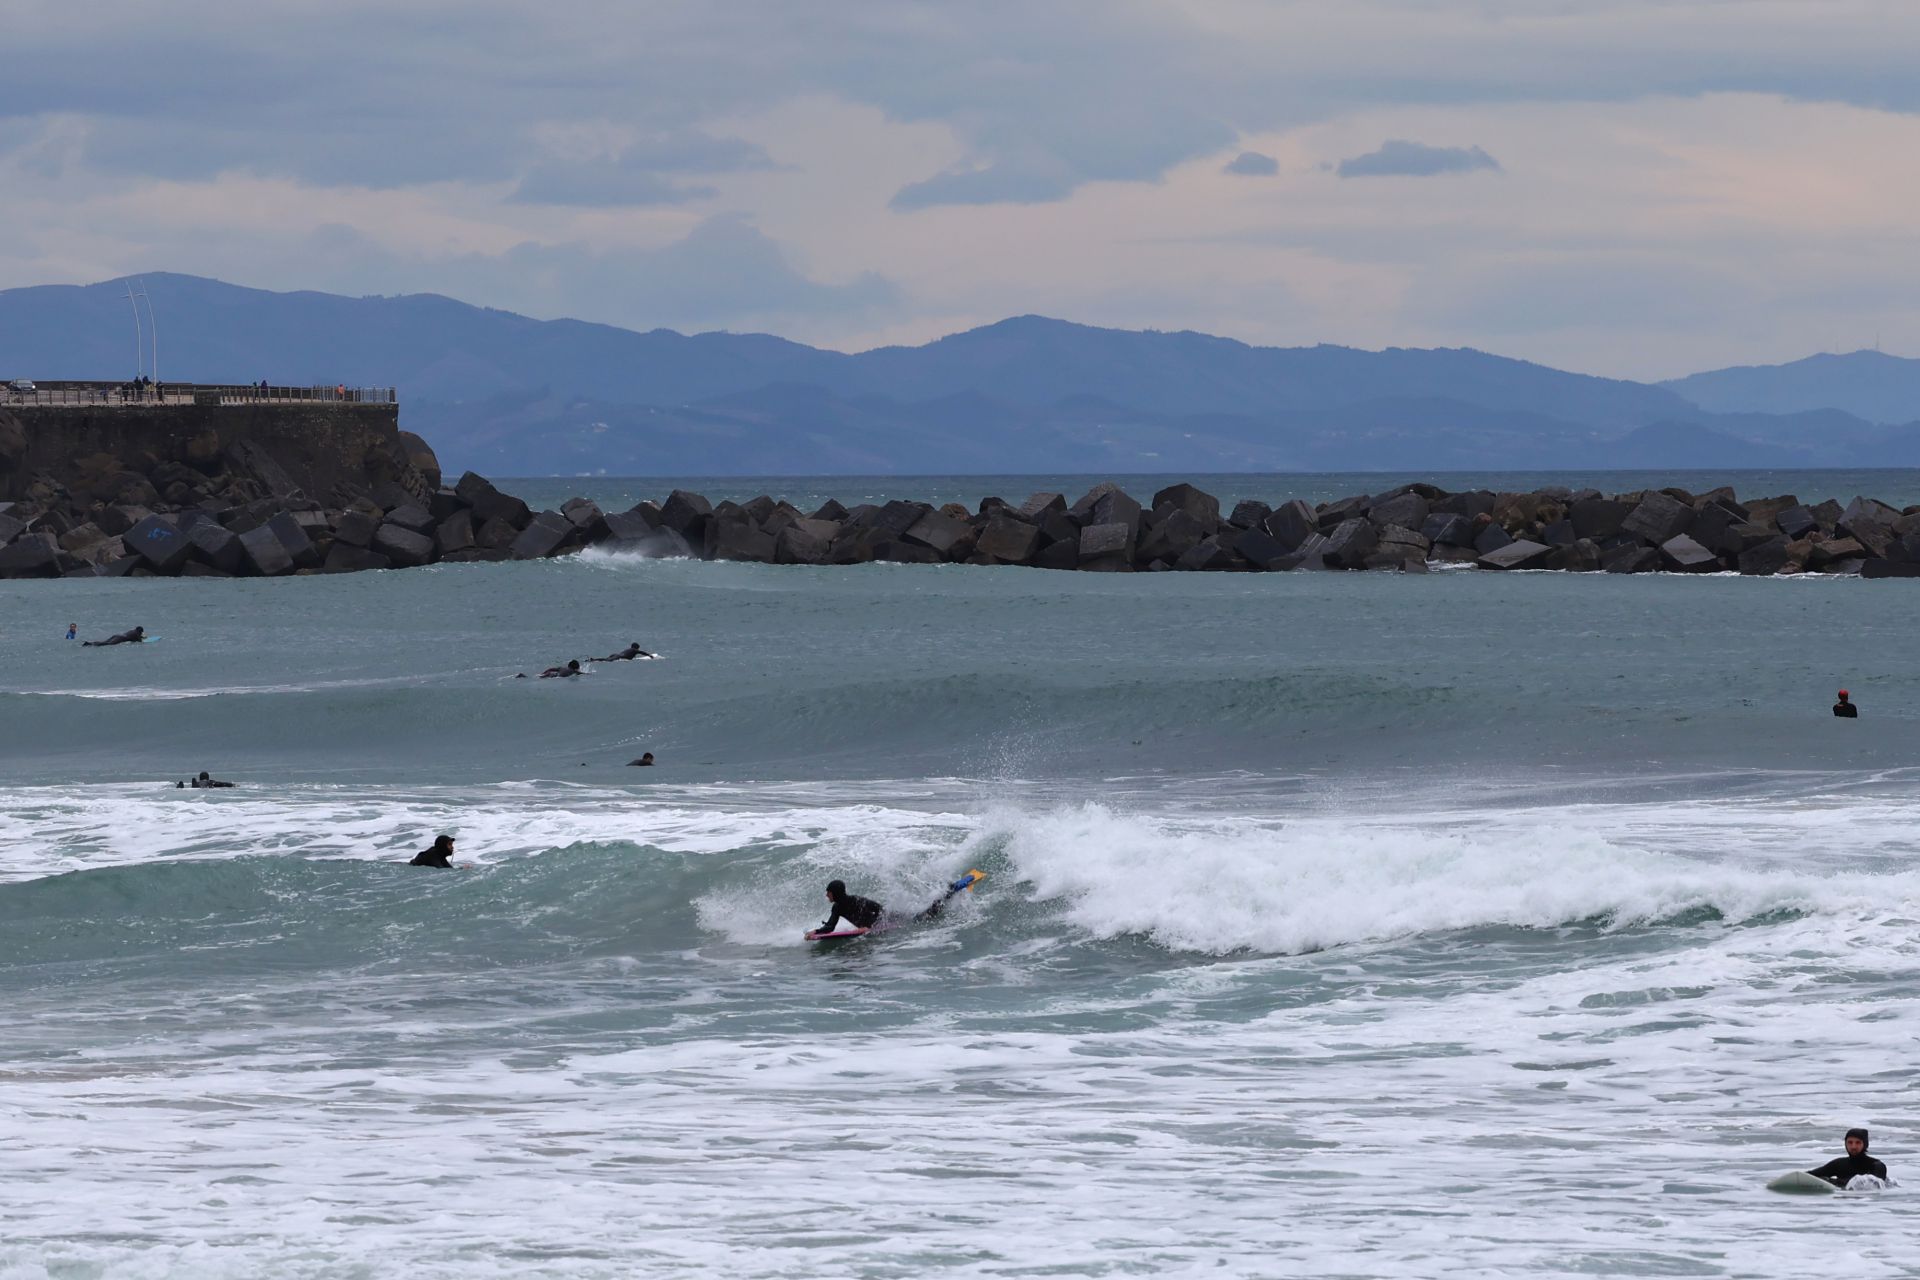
1333, 924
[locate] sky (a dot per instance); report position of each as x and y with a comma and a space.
1639, 188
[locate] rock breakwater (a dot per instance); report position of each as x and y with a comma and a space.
1409, 529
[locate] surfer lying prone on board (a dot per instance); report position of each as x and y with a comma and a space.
136, 636
865, 914
1853, 1164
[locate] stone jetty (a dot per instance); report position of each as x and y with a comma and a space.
209, 526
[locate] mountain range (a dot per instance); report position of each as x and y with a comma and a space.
510, 395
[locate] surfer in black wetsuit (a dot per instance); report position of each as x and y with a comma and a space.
441, 855
861, 913
627, 654
204, 781
136, 636
1853, 1164
560, 673
1846, 709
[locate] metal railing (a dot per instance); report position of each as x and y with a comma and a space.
116, 395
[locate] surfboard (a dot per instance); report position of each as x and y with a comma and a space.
1802, 1183
838, 935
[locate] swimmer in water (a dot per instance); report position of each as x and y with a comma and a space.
440, 855
136, 636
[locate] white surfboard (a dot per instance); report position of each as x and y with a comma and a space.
1802, 1183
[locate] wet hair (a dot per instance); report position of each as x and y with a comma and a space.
836, 889
203, 773
573, 664
1860, 1134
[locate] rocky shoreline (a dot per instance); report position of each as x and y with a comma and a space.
1406, 529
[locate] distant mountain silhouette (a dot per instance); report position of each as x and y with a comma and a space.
1868, 384
517, 396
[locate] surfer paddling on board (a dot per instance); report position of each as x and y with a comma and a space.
864, 914
627, 654
136, 636
440, 855
861, 913
1853, 1164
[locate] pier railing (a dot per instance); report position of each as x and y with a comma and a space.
115, 395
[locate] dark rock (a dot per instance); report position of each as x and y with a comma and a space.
445, 502
1658, 519
795, 544
400, 545
1106, 564
34, 555
858, 543
627, 526
1208, 555
937, 532
1260, 549
1828, 550
899, 516
830, 510
11, 528
129, 567
1308, 555
356, 528
1448, 529
294, 538
739, 539
1766, 558
470, 487
78, 538
494, 535
1114, 506
1292, 523
1058, 527
756, 509
1475, 502
265, 554
1179, 533
1517, 555
686, 514
1889, 569
191, 569
1582, 555
1796, 522
1011, 541
1869, 523
545, 535
1329, 515
412, 516
899, 552
1039, 506
1390, 560
217, 548
1490, 539
1064, 554
1250, 515
1405, 543
1684, 555
1559, 534
1829, 513
1631, 558
345, 558
1350, 542
1204, 508
1113, 538
455, 533
159, 542
1598, 518
1717, 529
1409, 511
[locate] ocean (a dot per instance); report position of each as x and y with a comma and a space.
1349, 925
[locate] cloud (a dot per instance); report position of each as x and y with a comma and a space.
1401, 159
1253, 165
595, 184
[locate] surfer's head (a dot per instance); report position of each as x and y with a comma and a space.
836, 890
1856, 1142
1843, 695
443, 843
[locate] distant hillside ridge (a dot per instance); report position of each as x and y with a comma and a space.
509, 394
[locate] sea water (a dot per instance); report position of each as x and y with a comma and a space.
1334, 924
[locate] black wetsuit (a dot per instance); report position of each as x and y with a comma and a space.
125, 637
861, 913
627, 654
559, 673
1846, 1168
1846, 709
431, 858
210, 783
